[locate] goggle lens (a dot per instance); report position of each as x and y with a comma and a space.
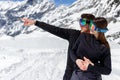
82, 22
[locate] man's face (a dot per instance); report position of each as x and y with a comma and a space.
85, 28
84, 24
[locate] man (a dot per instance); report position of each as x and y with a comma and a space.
69, 34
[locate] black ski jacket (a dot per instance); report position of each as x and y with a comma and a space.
68, 34
88, 46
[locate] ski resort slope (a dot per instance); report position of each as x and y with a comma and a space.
41, 56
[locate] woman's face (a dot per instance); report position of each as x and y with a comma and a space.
95, 33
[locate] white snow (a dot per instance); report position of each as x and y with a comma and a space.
5, 5
113, 28
41, 56
32, 58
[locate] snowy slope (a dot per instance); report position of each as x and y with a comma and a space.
23, 59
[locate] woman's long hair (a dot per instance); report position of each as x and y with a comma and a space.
101, 22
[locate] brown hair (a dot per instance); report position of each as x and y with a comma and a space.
88, 16
101, 22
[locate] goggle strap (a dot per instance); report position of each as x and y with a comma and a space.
103, 30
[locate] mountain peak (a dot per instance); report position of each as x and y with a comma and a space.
34, 2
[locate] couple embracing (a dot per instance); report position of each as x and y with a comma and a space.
89, 53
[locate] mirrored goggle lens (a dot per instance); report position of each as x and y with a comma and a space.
92, 26
82, 22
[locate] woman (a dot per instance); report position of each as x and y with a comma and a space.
91, 52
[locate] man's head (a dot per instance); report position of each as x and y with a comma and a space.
84, 22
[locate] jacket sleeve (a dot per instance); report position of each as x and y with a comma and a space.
104, 67
60, 32
73, 56
73, 50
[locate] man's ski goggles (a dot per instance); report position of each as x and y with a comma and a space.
93, 27
83, 22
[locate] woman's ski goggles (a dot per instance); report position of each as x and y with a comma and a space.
92, 26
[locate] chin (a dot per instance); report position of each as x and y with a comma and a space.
91, 32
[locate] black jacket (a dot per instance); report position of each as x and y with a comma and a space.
88, 46
68, 34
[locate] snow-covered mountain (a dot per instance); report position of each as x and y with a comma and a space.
28, 53
69, 14
10, 17
61, 16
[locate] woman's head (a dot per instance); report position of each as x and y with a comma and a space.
85, 20
99, 24
101, 27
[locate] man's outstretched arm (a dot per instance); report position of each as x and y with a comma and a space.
60, 32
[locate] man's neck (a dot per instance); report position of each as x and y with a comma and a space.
85, 31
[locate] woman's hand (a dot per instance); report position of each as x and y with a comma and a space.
88, 61
80, 63
83, 64
28, 22
86, 64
